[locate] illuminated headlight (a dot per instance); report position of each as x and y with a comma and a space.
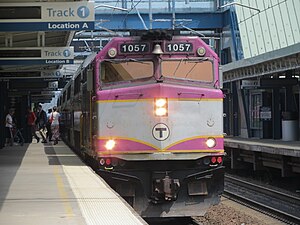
201, 51
210, 142
161, 112
110, 144
161, 107
161, 102
112, 52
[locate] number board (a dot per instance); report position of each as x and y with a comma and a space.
133, 48
179, 47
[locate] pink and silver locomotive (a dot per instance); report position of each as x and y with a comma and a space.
147, 113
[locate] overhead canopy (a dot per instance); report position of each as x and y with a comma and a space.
269, 63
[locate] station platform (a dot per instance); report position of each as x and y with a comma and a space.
263, 153
271, 146
45, 184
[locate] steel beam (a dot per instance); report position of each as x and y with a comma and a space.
197, 21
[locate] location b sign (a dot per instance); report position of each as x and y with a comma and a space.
37, 55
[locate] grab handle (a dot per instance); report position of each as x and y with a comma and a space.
119, 95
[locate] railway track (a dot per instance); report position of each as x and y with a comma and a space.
277, 204
173, 221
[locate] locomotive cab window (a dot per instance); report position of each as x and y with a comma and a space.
197, 70
117, 71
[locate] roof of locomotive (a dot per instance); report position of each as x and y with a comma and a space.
116, 41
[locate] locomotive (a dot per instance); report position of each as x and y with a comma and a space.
147, 113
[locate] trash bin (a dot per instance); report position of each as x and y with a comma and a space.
289, 126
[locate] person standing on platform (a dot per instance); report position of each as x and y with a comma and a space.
41, 122
54, 119
31, 128
9, 127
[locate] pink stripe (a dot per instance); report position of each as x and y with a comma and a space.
125, 145
196, 144
159, 90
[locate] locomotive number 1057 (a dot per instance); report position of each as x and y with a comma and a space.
179, 47
134, 48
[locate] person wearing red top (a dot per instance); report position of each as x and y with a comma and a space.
31, 118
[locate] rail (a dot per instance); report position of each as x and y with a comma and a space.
277, 204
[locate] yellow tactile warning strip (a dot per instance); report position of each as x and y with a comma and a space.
98, 203
62, 191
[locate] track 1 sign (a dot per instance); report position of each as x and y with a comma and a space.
45, 16
37, 55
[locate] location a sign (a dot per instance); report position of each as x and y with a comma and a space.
45, 16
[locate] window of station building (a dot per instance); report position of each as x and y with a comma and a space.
69, 93
188, 69
255, 120
117, 71
77, 84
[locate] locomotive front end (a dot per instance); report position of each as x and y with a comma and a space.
159, 125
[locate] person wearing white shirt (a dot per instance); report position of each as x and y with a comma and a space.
54, 119
9, 127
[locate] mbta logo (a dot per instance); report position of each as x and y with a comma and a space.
160, 131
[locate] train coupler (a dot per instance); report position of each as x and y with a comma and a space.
165, 189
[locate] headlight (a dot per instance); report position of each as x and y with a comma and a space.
110, 144
161, 112
161, 107
112, 52
210, 142
201, 51
160, 102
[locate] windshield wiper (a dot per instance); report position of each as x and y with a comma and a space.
177, 67
190, 70
195, 64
